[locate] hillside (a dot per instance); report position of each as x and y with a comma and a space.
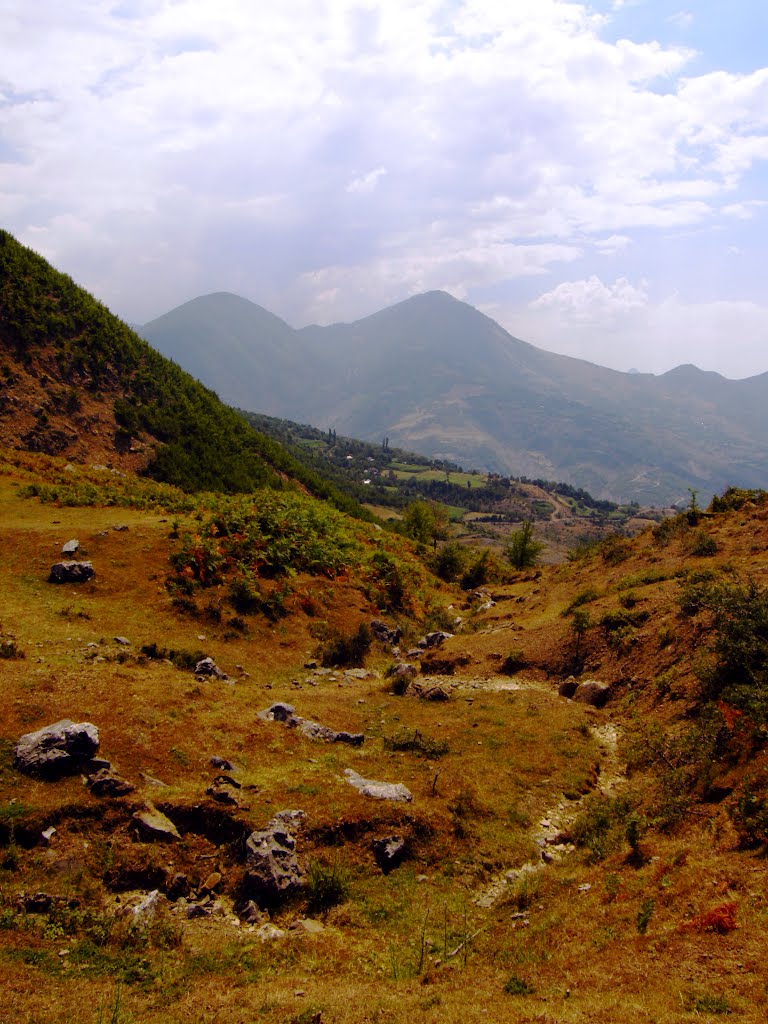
78, 383
438, 377
556, 861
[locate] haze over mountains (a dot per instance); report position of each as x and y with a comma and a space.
437, 376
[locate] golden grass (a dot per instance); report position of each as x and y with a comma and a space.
576, 955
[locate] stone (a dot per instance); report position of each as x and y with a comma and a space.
153, 826
378, 790
248, 912
211, 881
69, 548
194, 910
144, 912
286, 713
272, 869
269, 932
178, 887
71, 572
307, 925
123, 641
389, 852
108, 783
435, 639
402, 675
57, 749
568, 687
386, 634
208, 667
222, 763
592, 692
224, 789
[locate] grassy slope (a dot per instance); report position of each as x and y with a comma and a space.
512, 755
79, 382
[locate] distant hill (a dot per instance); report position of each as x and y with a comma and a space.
439, 377
77, 382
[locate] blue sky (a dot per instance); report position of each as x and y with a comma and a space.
591, 175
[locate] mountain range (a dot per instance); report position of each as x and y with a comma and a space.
439, 377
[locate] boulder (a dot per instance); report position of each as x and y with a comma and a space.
385, 633
272, 869
58, 749
286, 713
69, 548
71, 572
435, 639
568, 687
224, 789
378, 790
389, 852
153, 826
208, 667
105, 782
592, 692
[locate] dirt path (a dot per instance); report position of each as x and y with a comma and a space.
556, 820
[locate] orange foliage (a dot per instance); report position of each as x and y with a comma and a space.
720, 919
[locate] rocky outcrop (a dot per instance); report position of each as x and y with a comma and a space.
286, 714
592, 692
389, 852
378, 790
59, 749
153, 826
384, 633
272, 868
71, 572
106, 782
431, 640
207, 668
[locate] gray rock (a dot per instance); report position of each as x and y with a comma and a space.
389, 852
248, 911
272, 869
58, 749
307, 926
208, 667
153, 826
69, 548
108, 783
402, 675
385, 633
222, 763
286, 713
568, 687
378, 790
123, 641
71, 572
592, 692
224, 789
194, 910
436, 639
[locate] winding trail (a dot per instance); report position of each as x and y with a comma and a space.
557, 819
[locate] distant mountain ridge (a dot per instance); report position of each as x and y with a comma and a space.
439, 377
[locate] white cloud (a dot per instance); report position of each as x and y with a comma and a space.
326, 157
621, 326
366, 183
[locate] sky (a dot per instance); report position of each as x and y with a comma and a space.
594, 176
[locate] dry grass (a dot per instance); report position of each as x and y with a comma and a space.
385, 954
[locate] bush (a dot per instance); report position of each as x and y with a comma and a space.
416, 743
750, 815
601, 825
450, 561
523, 551
517, 986
349, 650
327, 885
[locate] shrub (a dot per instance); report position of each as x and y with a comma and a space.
517, 986
450, 562
415, 742
750, 815
327, 885
347, 650
702, 545
585, 596
601, 825
523, 551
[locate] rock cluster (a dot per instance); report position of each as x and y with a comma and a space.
286, 713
